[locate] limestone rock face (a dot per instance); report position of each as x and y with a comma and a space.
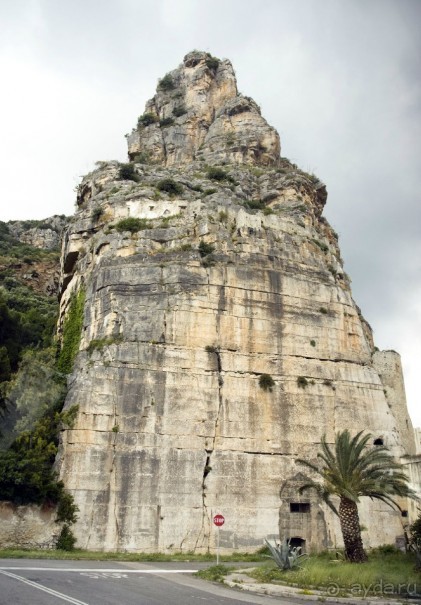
220, 337
197, 113
44, 234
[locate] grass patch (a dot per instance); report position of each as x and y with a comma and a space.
216, 573
79, 554
319, 571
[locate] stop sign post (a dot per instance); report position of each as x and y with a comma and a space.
218, 521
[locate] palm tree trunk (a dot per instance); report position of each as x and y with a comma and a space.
350, 525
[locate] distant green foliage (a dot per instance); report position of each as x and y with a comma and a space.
166, 83
147, 119
132, 224
27, 319
36, 388
209, 191
170, 186
72, 329
179, 111
313, 343
266, 382
26, 468
166, 122
205, 248
127, 172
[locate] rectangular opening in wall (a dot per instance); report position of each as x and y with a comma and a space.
299, 507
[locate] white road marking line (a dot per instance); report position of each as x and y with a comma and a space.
50, 591
88, 569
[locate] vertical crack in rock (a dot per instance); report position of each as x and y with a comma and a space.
113, 471
208, 467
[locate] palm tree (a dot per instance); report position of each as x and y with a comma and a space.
352, 471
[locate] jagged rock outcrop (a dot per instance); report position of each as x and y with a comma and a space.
45, 234
197, 113
220, 336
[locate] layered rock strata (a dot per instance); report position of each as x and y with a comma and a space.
220, 336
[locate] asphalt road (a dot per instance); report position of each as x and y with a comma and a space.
42, 582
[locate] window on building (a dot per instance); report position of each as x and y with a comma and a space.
299, 507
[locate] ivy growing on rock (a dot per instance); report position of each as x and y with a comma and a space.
72, 329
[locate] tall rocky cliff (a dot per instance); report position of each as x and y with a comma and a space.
220, 338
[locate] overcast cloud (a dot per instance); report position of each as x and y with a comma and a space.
339, 79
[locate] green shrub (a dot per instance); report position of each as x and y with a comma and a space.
179, 111
100, 343
72, 328
166, 83
323, 310
266, 382
209, 191
147, 119
255, 204
212, 62
170, 186
142, 158
132, 224
216, 174
313, 343
66, 539
210, 349
223, 216
166, 122
67, 509
205, 249
97, 212
127, 173
302, 382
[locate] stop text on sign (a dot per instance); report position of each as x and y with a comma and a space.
219, 520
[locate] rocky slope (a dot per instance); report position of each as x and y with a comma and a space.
220, 336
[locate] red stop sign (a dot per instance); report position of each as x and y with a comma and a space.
219, 520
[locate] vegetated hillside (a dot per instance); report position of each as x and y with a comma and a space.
32, 390
28, 312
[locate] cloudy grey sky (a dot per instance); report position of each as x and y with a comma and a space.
339, 79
